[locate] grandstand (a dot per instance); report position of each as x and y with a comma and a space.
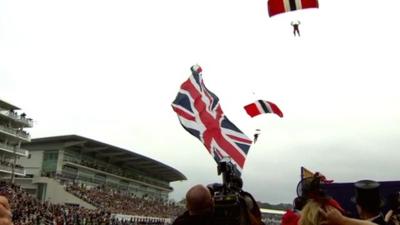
57, 162
12, 135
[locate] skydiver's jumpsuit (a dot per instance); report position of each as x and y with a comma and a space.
295, 25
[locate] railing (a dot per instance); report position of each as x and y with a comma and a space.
18, 133
135, 179
11, 149
18, 118
9, 169
122, 174
19, 170
68, 175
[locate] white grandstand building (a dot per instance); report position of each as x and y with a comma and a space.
55, 161
12, 135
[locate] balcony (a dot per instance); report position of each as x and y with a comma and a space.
22, 135
10, 149
121, 177
8, 169
19, 119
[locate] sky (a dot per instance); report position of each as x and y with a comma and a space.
109, 70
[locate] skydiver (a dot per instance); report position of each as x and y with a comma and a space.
295, 25
257, 133
255, 138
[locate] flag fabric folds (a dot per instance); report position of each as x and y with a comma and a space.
200, 113
281, 6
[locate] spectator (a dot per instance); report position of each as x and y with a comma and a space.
333, 216
392, 217
252, 211
292, 217
5, 212
199, 205
311, 190
368, 201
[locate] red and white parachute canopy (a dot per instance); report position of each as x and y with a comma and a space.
282, 6
261, 106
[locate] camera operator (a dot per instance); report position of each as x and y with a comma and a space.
199, 205
232, 205
251, 204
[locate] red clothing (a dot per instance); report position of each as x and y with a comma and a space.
290, 218
332, 202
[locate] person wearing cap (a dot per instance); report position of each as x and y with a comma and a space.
368, 201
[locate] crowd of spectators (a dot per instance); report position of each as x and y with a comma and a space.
106, 168
115, 170
121, 202
27, 210
9, 164
137, 221
12, 113
272, 219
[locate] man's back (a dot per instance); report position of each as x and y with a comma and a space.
186, 219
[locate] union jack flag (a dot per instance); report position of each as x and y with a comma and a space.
200, 114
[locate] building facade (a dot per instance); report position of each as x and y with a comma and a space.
80, 160
12, 136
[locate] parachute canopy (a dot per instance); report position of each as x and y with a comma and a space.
282, 6
261, 106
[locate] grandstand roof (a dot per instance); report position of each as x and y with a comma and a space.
116, 155
7, 106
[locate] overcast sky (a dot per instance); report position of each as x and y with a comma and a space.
109, 70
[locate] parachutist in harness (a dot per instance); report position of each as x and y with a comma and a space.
256, 134
295, 25
260, 107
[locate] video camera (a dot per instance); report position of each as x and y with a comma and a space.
229, 206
